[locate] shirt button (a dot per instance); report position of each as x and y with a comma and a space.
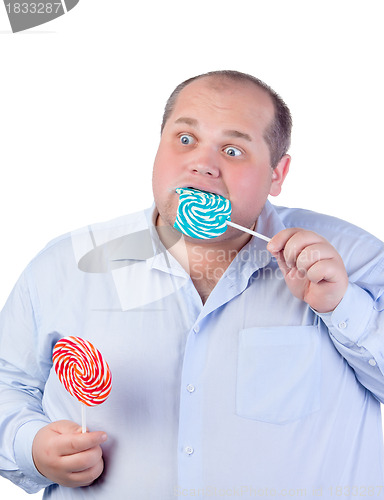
342, 325
189, 450
196, 329
190, 388
372, 362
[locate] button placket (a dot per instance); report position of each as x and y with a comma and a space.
190, 416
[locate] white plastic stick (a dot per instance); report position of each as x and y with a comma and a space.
83, 418
242, 228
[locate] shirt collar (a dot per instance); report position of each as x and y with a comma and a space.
253, 256
102, 248
269, 222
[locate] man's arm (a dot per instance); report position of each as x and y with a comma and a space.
350, 306
312, 268
34, 452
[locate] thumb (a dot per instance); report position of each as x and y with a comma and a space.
279, 256
65, 427
72, 440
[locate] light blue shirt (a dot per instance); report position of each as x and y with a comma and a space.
250, 395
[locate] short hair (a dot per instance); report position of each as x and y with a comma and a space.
277, 135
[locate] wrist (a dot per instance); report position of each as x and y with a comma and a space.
23, 451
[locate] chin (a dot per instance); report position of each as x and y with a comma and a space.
167, 215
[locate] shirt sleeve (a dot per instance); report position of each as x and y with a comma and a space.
23, 373
356, 328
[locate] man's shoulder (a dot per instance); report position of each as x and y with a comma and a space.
329, 226
76, 243
354, 244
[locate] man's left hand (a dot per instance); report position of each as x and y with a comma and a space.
312, 268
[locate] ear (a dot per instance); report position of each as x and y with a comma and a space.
279, 174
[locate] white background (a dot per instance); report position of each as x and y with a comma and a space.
81, 100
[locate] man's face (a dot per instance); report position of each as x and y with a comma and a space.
213, 141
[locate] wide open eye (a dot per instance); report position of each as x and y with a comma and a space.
186, 139
232, 151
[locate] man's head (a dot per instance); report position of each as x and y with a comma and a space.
216, 137
278, 133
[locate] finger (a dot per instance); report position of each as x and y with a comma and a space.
76, 443
281, 262
65, 427
280, 239
89, 476
83, 460
324, 270
292, 241
297, 243
86, 477
312, 254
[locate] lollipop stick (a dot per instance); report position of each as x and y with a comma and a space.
242, 228
83, 418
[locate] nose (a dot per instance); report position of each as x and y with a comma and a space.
206, 163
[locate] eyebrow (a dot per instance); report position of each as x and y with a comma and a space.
230, 133
238, 135
189, 121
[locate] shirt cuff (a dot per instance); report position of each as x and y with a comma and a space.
23, 453
348, 322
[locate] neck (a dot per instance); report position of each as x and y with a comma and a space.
204, 260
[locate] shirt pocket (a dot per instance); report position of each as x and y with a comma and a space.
278, 373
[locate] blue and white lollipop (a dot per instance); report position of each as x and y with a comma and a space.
205, 215
201, 214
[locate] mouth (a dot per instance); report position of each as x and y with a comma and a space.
201, 213
205, 189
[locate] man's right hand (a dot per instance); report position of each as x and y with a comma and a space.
64, 455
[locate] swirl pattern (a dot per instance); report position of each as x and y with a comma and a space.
201, 214
82, 370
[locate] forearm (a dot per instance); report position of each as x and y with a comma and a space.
356, 328
21, 417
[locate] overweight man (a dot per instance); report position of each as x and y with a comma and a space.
240, 368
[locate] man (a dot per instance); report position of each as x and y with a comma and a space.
239, 369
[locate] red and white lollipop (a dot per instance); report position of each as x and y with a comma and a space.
83, 371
